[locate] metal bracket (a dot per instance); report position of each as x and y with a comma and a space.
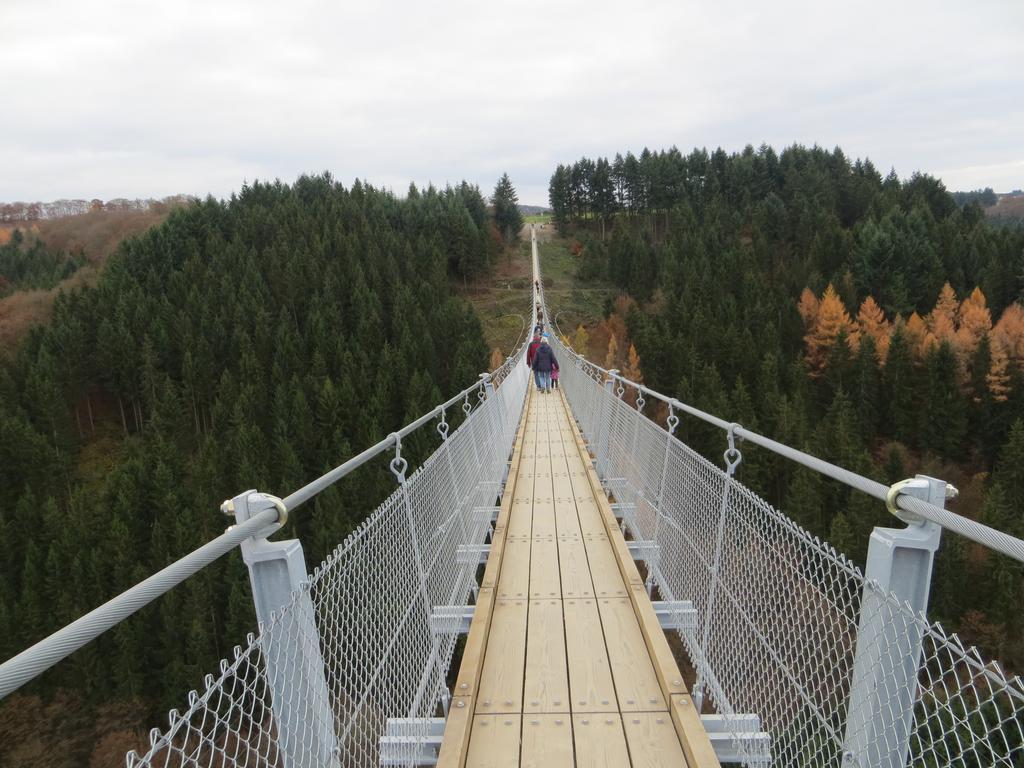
472, 554
675, 614
486, 514
411, 741
611, 483
642, 550
738, 739
451, 619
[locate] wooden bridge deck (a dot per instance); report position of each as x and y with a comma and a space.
565, 664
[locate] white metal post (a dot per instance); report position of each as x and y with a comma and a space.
880, 718
291, 649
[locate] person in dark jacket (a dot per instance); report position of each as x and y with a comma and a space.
543, 361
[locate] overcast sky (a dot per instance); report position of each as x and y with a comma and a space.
133, 98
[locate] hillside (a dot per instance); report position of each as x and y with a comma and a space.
250, 343
867, 320
89, 238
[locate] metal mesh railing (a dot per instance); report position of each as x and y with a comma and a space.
360, 644
781, 630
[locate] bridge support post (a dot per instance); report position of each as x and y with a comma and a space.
291, 645
883, 690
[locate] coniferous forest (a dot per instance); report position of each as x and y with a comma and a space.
256, 342
870, 321
260, 341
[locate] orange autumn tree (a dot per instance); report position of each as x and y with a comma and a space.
918, 336
942, 320
808, 307
581, 341
825, 328
871, 322
998, 377
496, 359
632, 371
974, 321
1009, 333
611, 358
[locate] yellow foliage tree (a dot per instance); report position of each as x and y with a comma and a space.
496, 359
918, 336
632, 371
581, 341
832, 320
1009, 333
942, 320
611, 359
974, 322
871, 322
808, 308
998, 378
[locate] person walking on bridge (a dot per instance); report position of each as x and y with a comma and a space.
530, 352
543, 363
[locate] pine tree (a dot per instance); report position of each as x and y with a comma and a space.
944, 425
507, 217
867, 384
899, 384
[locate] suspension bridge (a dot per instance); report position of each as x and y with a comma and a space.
564, 582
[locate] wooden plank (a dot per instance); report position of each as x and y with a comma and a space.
604, 568
494, 742
665, 665
521, 519
544, 580
476, 643
547, 742
544, 515
501, 682
457, 730
575, 570
635, 682
567, 520
590, 678
587, 512
455, 743
690, 732
696, 744
600, 741
514, 581
546, 688
652, 740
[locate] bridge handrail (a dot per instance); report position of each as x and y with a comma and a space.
914, 508
37, 658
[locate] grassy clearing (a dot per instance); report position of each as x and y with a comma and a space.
537, 218
503, 301
572, 301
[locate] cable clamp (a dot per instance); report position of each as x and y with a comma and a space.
282, 510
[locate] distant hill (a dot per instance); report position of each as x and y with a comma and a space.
38, 211
90, 237
1008, 207
533, 210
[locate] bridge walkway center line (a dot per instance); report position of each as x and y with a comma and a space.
566, 664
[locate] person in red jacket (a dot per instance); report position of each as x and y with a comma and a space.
531, 351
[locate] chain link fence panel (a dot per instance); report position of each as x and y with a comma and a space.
779, 613
362, 628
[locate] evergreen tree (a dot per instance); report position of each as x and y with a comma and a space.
944, 423
507, 216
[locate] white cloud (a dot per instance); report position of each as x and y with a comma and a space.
106, 98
